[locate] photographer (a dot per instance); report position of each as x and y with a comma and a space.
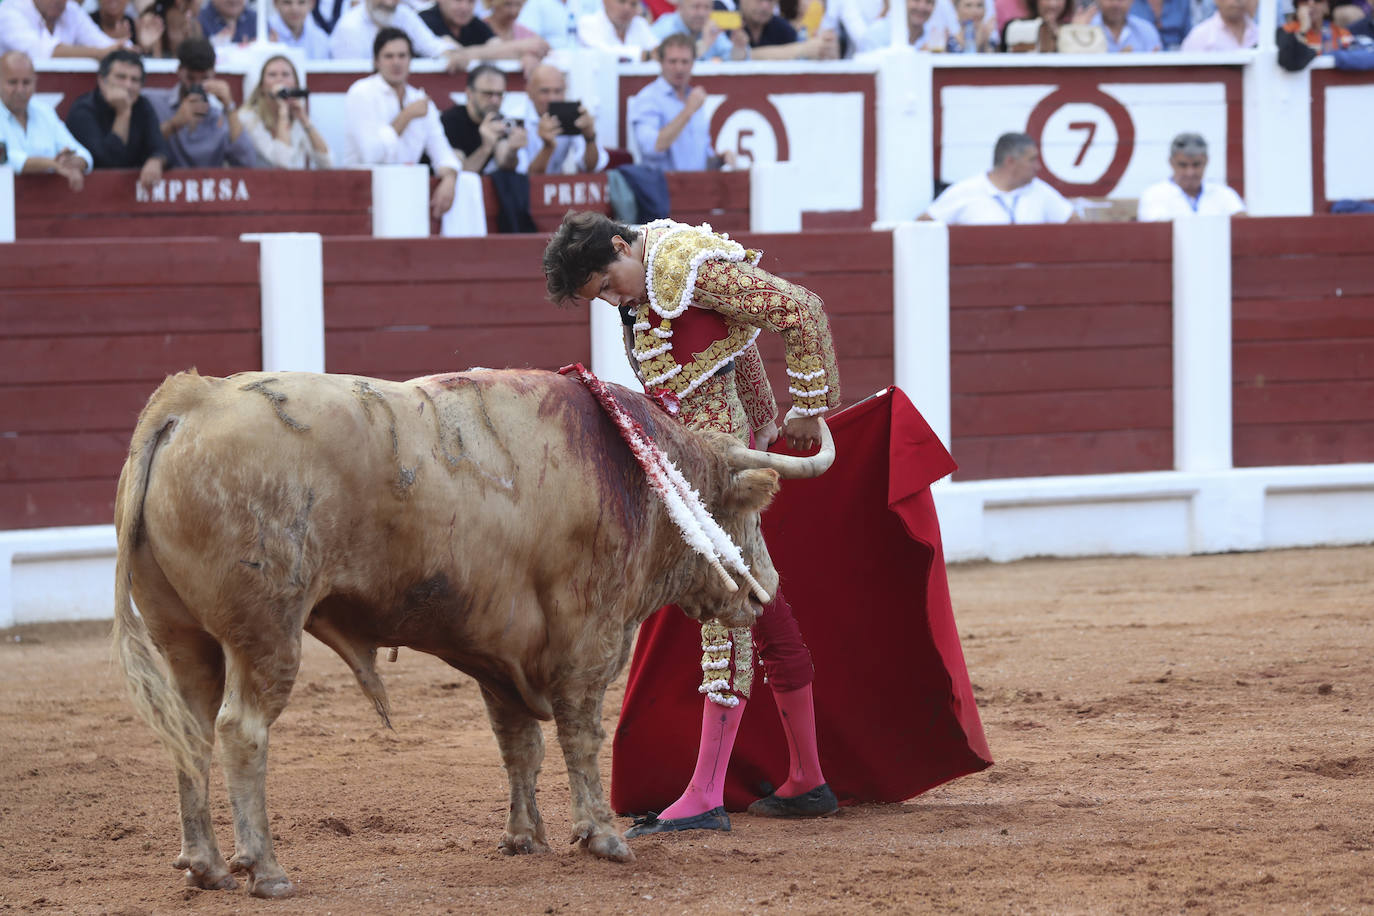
276, 121
199, 118
555, 146
479, 135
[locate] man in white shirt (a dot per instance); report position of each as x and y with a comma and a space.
357, 29
1186, 193
44, 29
393, 123
617, 27
1230, 28
1010, 194
35, 139
549, 150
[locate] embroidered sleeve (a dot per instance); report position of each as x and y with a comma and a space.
747, 294
751, 381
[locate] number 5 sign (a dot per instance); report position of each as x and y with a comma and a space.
1086, 139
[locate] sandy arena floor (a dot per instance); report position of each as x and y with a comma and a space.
1185, 734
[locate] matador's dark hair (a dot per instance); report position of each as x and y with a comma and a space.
579, 248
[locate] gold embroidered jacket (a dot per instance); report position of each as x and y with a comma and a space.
732, 300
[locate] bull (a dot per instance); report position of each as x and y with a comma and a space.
493, 519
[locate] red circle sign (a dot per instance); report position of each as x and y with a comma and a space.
1125, 138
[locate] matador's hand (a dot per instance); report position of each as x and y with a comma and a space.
803, 433
765, 436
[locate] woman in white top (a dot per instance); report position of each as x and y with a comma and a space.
276, 121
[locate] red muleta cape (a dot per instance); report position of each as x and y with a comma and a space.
859, 554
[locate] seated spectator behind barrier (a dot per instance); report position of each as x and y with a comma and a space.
1186, 193
555, 21
1125, 33
116, 124
356, 31
666, 116
228, 21
44, 29
1353, 16
516, 40
456, 20
976, 32
1052, 14
178, 21
1309, 33
1230, 28
391, 122
479, 135
328, 12
34, 139
549, 151
924, 36
113, 19
277, 121
1009, 194
1173, 20
199, 118
292, 24
619, 29
764, 35
693, 18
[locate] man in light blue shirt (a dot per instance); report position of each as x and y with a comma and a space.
34, 137
1124, 31
293, 26
666, 116
693, 18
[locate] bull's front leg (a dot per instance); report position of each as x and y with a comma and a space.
522, 751
581, 736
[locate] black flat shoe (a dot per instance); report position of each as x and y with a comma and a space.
819, 802
715, 819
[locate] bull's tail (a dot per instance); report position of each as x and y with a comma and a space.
156, 700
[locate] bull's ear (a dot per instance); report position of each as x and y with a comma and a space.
752, 490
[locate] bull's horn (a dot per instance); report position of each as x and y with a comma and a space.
790, 466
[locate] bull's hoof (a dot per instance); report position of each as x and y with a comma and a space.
206, 876
610, 846
526, 845
271, 887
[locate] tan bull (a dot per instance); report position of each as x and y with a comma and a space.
494, 519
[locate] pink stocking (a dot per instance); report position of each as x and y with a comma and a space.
798, 716
719, 725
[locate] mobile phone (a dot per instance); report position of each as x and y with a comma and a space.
727, 19
566, 113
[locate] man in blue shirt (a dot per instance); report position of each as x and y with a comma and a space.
693, 18
1124, 31
666, 116
34, 138
1171, 18
229, 21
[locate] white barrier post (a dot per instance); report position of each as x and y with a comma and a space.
1202, 343
1278, 138
6, 205
291, 271
774, 205
609, 360
400, 201
905, 179
920, 320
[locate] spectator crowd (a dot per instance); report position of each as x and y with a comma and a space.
198, 123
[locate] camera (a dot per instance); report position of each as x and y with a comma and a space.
566, 113
285, 93
197, 89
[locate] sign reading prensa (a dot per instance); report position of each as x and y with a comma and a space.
193, 190
575, 193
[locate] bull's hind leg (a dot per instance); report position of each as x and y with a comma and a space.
196, 663
581, 736
197, 666
260, 673
522, 750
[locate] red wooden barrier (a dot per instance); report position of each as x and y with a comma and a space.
403, 308
202, 202
718, 198
1061, 349
1303, 340
91, 328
